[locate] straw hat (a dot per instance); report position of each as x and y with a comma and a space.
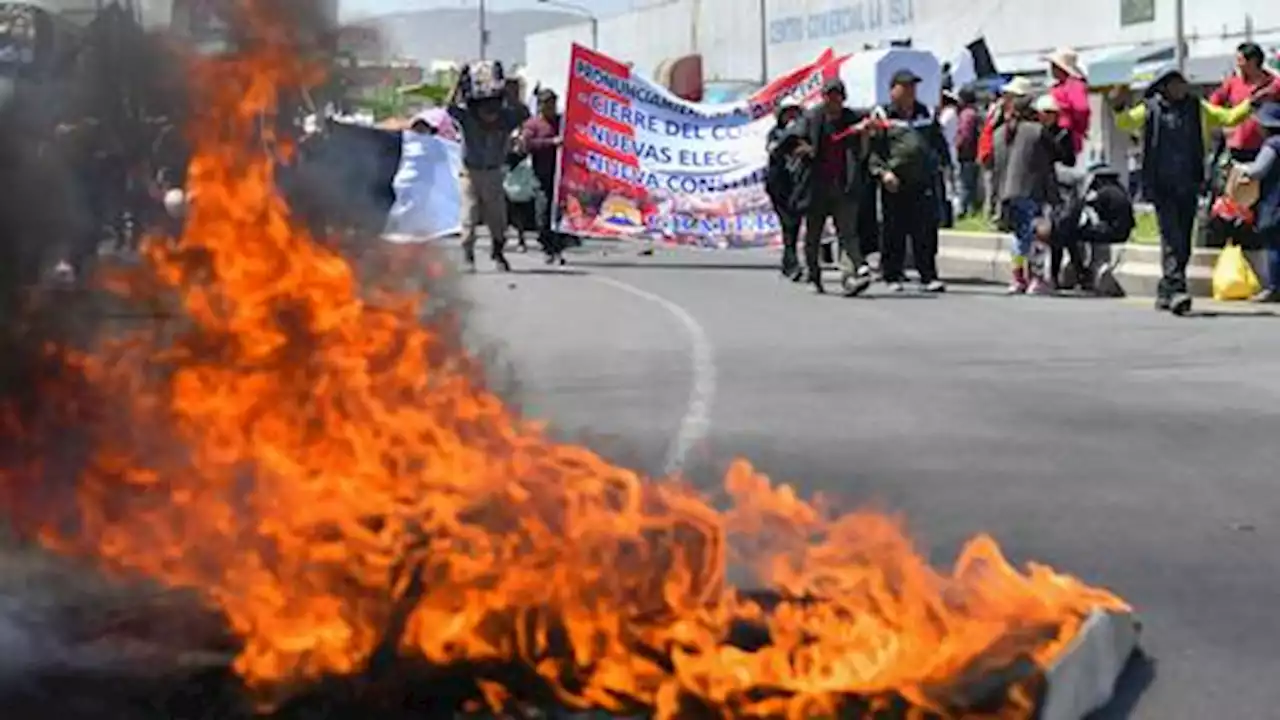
1018, 87
1068, 60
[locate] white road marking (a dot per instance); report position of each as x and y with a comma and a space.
697, 417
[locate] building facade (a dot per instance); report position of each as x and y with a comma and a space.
752, 39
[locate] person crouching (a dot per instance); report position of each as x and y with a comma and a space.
784, 179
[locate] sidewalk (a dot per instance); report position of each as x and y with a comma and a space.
986, 256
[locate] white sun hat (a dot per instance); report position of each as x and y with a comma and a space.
1067, 59
1046, 104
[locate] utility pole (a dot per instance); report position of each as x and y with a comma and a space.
764, 42
484, 32
583, 11
1180, 35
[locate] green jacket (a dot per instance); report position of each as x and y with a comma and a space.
911, 146
1212, 117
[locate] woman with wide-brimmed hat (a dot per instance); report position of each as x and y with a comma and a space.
1265, 170
1071, 91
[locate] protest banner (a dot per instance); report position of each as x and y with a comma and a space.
428, 191
640, 163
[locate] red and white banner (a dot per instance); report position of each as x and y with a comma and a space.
639, 162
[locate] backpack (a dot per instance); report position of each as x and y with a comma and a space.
1108, 210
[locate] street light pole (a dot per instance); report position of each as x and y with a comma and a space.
764, 42
590, 16
484, 32
1180, 35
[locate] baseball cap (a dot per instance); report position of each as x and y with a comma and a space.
832, 86
904, 77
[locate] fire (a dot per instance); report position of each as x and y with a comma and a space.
328, 473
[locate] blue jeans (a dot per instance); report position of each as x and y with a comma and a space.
1273, 268
1022, 216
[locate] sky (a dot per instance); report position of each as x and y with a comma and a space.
351, 9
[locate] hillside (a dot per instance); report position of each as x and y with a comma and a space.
454, 33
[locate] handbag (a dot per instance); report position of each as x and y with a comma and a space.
521, 185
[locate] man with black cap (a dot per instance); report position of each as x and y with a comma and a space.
830, 138
1176, 127
908, 155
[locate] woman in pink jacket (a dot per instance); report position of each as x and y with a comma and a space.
1071, 92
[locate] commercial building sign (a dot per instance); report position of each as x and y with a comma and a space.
853, 18
1134, 12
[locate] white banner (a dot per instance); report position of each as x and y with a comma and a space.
428, 190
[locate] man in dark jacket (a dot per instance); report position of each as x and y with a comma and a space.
783, 185
831, 140
1173, 173
542, 139
907, 156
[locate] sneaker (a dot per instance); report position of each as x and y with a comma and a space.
1268, 296
502, 264
854, 285
1038, 286
897, 287
1019, 284
1163, 304
1180, 304
934, 286
560, 260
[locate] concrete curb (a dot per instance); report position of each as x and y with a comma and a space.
1083, 678
986, 256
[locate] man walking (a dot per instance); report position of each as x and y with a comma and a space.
907, 156
784, 179
543, 140
830, 137
1175, 134
487, 124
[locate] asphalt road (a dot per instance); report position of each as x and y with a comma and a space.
1134, 449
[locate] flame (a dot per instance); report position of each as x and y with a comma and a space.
328, 472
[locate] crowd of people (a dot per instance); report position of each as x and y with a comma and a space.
884, 176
